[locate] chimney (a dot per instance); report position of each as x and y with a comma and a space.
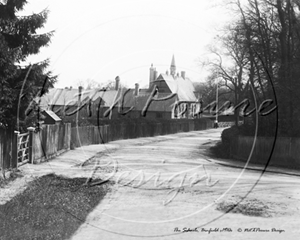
167, 72
136, 91
117, 82
78, 104
183, 74
151, 77
79, 94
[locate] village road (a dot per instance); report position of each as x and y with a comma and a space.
167, 185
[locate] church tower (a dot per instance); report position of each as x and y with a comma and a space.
173, 67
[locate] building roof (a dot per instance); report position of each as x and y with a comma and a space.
49, 114
139, 102
67, 97
182, 87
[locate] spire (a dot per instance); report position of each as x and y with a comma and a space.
173, 67
173, 62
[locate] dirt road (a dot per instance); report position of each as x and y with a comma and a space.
167, 188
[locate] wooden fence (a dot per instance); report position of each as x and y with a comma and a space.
33, 147
51, 141
6, 137
55, 139
286, 150
81, 136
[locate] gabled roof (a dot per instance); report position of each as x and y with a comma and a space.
182, 87
51, 115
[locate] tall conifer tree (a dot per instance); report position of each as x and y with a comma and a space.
18, 40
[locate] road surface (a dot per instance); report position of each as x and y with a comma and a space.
167, 187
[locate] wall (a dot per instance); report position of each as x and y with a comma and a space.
286, 152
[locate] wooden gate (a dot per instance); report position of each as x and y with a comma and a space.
22, 148
22, 145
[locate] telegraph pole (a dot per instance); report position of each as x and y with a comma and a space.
216, 125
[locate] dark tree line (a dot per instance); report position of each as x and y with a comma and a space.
259, 52
20, 82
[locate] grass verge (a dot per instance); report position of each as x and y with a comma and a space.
52, 207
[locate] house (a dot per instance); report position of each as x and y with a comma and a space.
173, 83
168, 96
68, 102
186, 101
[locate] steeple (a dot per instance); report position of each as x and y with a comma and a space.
173, 67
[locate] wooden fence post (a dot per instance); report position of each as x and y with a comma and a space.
30, 144
14, 149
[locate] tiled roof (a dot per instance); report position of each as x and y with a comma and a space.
64, 97
139, 102
182, 87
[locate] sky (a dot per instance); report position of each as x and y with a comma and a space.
102, 39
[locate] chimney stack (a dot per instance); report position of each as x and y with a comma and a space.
117, 82
151, 77
183, 74
137, 89
167, 72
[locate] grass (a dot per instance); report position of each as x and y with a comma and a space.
249, 207
52, 207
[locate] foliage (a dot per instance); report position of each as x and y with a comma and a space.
207, 91
263, 47
19, 84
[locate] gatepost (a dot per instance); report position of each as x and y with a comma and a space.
31, 144
14, 157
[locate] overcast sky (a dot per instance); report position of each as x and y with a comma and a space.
102, 39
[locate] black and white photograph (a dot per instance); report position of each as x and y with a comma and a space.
149, 119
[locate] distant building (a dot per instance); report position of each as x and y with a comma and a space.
178, 84
177, 92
